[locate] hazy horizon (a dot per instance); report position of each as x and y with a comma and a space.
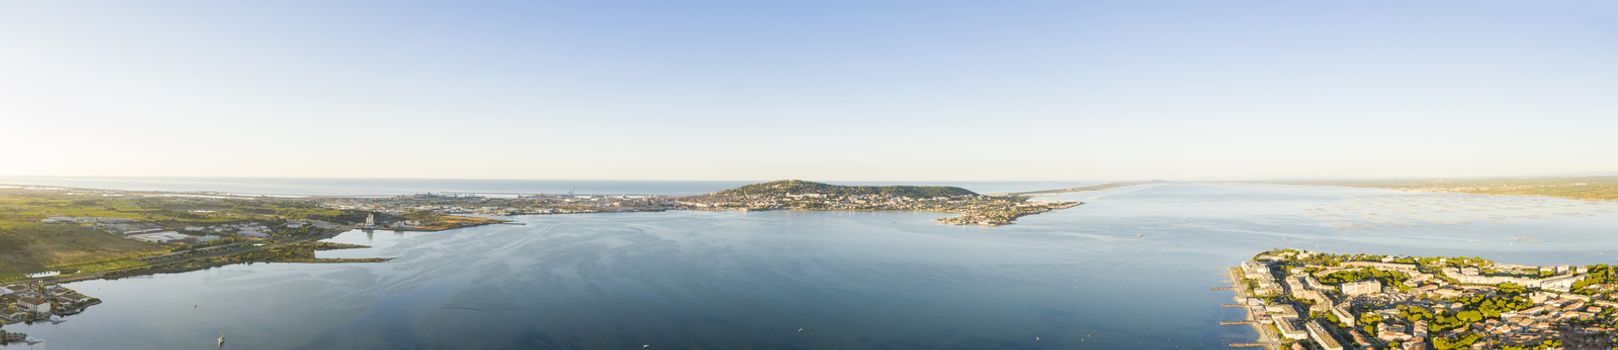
826, 90
3, 177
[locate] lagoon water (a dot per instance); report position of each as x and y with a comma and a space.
1129, 270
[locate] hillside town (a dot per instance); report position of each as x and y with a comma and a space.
973, 208
1309, 300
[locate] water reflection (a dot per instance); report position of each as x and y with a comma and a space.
1131, 269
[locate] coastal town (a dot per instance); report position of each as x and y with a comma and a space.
1300, 299
972, 208
37, 302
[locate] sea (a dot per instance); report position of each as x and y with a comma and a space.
1132, 268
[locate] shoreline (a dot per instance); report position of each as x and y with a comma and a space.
1241, 295
315, 243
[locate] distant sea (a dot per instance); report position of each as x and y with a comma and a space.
364, 187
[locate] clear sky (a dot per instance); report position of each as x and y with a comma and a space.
822, 89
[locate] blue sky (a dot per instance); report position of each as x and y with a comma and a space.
832, 90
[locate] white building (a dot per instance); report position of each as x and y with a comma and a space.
34, 305
1361, 288
1341, 311
1289, 330
1280, 311
1256, 270
1560, 284
1323, 338
160, 237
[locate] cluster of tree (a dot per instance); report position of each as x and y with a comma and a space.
1457, 342
1477, 308
1325, 316
1492, 305
1599, 274
1379, 258
1316, 260
1509, 288
1447, 320
1368, 321
1548, 344
1415, 313
1388, 278
1455, 261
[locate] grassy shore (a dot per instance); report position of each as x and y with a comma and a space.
77, 248
29, 245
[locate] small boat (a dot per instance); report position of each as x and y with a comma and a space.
221, 341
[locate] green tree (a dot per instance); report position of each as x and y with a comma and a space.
1469, 316
1457, 342
1510, 288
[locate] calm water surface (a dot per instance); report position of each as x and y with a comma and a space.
1130, 270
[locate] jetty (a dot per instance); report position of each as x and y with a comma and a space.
1266, 338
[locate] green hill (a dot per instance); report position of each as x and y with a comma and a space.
784, 187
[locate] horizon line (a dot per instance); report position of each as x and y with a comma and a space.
1592, 174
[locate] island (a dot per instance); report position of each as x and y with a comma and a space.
972, 208
1313, 300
